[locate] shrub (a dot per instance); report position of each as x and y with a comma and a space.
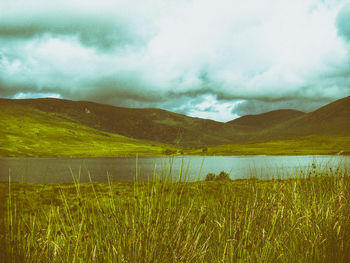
210, 177
168, 152
222, 176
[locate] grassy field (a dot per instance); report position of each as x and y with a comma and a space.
305, 219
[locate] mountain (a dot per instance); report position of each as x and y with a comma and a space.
27, 131
146, 124
159, 128
265, 120
330, 120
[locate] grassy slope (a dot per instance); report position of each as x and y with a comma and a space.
25, 131
306, 220
147, 124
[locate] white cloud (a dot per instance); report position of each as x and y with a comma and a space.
31, 95
210, 108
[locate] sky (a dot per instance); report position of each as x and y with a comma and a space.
210, 59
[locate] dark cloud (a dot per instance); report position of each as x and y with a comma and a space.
116, 89
260, 106
343, 22
97, 32
9, 90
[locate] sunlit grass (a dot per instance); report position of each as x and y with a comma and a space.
302, 219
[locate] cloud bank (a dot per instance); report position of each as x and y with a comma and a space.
211, 59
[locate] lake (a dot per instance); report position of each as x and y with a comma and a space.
59, 170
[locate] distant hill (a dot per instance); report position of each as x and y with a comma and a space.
170, 128
266, 120
332, 120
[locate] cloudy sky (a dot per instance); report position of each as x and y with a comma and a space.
212, 59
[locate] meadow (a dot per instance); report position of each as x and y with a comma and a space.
300, 219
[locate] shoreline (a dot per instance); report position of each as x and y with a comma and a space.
171, 156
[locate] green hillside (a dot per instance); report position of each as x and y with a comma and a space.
146, 124
26, 131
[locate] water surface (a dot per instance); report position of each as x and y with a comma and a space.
53, 170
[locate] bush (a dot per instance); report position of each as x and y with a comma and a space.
210, 177
169, 152
222, 176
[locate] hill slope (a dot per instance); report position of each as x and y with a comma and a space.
265, 120
333, 118
330, 120
26, 131
147, 124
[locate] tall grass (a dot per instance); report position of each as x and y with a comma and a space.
303, 219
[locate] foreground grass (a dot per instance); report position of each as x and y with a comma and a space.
292, 220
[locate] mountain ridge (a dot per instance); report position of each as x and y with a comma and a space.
266, 119
163, 126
